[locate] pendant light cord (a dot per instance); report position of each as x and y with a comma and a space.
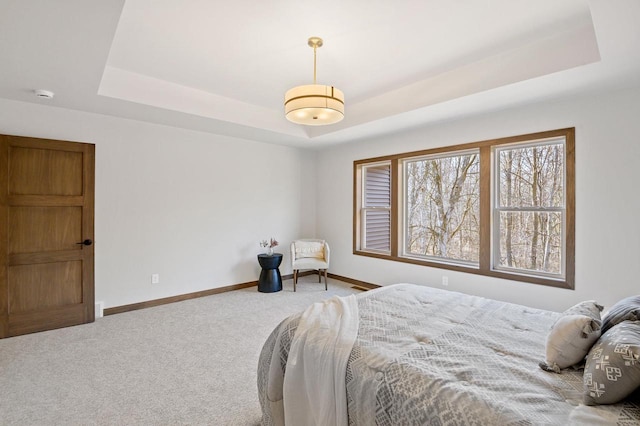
314, 65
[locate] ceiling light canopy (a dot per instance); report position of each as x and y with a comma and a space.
314, 104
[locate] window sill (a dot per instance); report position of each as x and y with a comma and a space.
566, 284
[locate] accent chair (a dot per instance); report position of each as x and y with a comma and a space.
310, 254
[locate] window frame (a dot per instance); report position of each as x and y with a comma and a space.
496, 207
366, 208
487, 191
361, 208
404, 216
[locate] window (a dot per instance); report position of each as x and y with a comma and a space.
441, 199
502, 208
529, 208
376, 208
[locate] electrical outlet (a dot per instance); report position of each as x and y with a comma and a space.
99, 310
445, 280
155, 278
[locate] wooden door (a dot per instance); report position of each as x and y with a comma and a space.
46, 234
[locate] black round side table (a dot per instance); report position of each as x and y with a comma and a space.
270, 279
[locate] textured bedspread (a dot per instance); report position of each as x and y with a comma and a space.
425, 356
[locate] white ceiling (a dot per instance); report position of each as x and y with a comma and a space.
223, 67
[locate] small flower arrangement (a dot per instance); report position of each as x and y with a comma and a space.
270, 244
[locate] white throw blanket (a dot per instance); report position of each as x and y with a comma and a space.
314, 382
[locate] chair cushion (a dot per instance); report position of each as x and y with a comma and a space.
310, 263
309, 249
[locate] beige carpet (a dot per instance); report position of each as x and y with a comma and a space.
192, 362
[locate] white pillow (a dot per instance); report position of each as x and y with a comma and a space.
313, 249
572, 336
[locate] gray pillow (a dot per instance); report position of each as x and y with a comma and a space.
625, 309
572, 336
612, 371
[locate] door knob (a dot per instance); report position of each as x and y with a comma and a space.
86, 242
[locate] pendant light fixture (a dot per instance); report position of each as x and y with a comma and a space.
314, 104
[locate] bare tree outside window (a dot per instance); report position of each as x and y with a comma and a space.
442, 205
530, 210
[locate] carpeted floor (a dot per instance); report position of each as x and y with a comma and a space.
192, 362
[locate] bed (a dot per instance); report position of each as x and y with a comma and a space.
423, 356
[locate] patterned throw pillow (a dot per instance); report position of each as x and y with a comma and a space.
625, 309
572, 336
612, 371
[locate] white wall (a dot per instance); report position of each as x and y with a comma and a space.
189, 206
607, 200
192, 206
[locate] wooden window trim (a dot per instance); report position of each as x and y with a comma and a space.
485, 255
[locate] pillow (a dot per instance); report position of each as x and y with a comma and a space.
309, 249
612, 371
572, 336
625, 309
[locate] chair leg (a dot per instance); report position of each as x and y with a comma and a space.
325, 280
295, 279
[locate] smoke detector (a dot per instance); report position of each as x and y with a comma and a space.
44, 94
